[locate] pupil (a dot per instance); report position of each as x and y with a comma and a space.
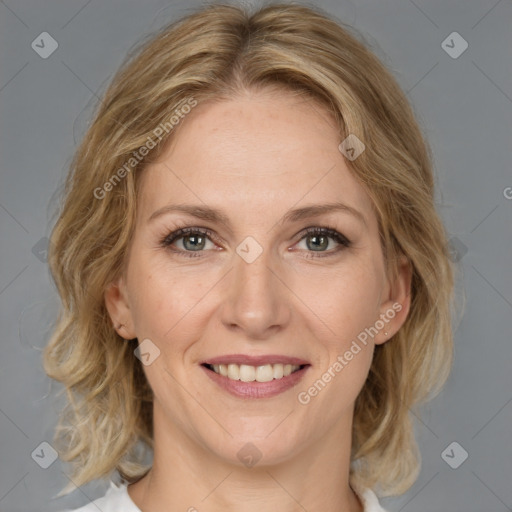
199, 240
323, 244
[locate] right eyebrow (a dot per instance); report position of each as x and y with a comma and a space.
201, 212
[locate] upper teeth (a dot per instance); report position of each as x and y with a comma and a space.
248, 373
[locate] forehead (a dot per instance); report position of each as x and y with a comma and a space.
260, 152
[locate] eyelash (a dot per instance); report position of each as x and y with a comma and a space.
326, 231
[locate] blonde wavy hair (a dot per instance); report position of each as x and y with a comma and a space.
215, 53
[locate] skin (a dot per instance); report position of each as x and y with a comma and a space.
254, 157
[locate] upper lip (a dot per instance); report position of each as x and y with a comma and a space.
255, 360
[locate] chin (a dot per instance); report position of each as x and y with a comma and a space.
256, 449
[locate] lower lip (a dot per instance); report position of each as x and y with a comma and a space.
257, 389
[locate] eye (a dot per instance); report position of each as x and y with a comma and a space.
317, 240
192, 240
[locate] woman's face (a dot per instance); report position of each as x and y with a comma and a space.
253, 288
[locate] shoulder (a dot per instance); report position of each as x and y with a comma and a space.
116, 499
368, 498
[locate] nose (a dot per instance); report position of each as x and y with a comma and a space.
257, 300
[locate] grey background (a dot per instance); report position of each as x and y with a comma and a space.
464, 105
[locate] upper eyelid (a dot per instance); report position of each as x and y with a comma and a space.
181, 232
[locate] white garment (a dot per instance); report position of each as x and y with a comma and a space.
117, 499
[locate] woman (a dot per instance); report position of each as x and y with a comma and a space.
255, 282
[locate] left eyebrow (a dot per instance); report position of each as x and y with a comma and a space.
214, 215
320, 209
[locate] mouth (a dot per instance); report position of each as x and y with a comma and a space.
249, 373
255, 376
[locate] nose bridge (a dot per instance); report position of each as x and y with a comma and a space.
256, 299
253, 277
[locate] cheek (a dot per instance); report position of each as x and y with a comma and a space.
347, 300
349, 307
152, 302
166, 299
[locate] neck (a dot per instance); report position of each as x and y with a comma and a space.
187, 476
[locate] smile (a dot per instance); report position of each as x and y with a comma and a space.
248, 373
255, 376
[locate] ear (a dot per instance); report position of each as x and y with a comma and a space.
118, 307
395, 308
